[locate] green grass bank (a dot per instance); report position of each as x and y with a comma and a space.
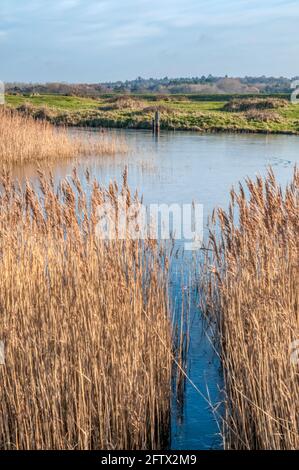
211, 113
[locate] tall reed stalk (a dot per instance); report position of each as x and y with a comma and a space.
85, 323
252, 294
24, 139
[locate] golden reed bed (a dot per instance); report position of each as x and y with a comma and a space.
85, 324
24, 139
252, 293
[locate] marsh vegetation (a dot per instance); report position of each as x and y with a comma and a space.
178, 112
24, 138
251, 295
90, 337
86, 325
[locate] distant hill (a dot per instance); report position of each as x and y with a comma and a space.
209, 85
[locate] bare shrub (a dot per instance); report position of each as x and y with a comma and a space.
124, 102
263, 116
247, 104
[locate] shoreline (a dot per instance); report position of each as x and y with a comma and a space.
191, 129
254, 116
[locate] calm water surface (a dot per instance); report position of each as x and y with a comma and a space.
181, 168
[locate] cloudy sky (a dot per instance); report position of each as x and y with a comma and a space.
101, 40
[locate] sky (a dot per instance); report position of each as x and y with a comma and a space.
108, 40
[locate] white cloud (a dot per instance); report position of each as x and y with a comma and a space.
130, 33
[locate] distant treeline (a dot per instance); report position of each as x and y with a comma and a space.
205, 85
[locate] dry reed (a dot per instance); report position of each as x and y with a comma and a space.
24, 139
255, 104
252, 294
85, 324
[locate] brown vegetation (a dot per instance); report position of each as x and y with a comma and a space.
85, 323
252, 293
247, 104
161, 108
263, 116
124, 102
22, 139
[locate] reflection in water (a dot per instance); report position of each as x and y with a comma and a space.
181, 168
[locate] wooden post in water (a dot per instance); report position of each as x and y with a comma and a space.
156, 123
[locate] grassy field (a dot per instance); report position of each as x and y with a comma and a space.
178, 112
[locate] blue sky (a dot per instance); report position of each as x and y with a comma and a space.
100, 40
